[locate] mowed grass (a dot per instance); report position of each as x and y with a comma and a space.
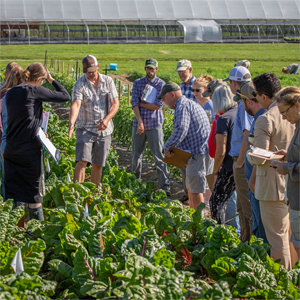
214, 59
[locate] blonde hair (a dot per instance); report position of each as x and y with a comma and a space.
204, 79
34, 72
288, 96
14, 78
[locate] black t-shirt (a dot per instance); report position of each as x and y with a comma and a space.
25, 111
224, 126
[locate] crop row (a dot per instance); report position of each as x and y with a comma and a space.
125, 241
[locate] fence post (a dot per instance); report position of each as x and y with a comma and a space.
120, 87
58, 62
62, 67
128, 94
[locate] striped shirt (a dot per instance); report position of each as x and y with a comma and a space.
187, 90
191, 128
151, 118
94, 106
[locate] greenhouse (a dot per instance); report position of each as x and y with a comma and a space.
151, 21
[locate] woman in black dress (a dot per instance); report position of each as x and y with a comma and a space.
23, 156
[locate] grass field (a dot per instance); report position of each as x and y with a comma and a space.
214, 59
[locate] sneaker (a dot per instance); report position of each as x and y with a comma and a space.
168, 192
184, 198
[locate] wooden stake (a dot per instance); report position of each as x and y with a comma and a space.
58, 62
62, 67
120, 87
128, 94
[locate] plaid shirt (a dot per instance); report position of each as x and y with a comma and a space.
187, 90
151, 118
93, 103
191, 128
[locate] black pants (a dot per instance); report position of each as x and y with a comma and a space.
223, 190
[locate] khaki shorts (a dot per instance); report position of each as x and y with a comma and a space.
196, 173
91, 147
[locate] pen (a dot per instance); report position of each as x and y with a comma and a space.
276, 148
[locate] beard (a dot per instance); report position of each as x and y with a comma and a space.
150, 76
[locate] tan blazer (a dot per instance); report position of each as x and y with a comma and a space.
270, 130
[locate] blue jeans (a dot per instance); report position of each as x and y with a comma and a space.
258, 226
230, 212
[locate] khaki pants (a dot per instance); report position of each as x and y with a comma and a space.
276, 220
243, 203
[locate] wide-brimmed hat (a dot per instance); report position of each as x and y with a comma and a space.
212, 86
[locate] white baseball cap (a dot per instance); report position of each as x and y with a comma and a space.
240, 74
183, 64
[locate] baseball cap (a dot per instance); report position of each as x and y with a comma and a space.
244, 63
246, 91
89, 64
168, 87
212, 86
152, 63
183, 64
239, 74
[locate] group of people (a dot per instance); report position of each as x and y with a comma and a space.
218, 123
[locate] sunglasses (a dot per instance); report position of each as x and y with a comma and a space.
196, 90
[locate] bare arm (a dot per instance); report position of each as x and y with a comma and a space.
102, 125
150, 106
74, 111
137, 114
244, 148
221, 141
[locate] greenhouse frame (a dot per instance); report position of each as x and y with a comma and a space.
148, 21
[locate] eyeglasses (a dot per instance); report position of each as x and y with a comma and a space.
196, 90
284, 113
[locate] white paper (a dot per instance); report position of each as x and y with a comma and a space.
17, 263
48, 145
68, 177
263, 152
86, 211
152, 251
151, 94
45, 120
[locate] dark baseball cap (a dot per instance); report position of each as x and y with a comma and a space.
152, 63
168, 87
212, 86
246, 91
89, 64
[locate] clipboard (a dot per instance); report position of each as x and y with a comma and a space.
180, 158
48, 145
265, 157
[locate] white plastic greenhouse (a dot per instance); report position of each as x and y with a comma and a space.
96, 21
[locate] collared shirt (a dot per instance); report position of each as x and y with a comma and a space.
151, 118
187, 90
191, 128
248, 166
242, 122
94, 106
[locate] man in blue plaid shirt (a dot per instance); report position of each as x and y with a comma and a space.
148, 121
191, 129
